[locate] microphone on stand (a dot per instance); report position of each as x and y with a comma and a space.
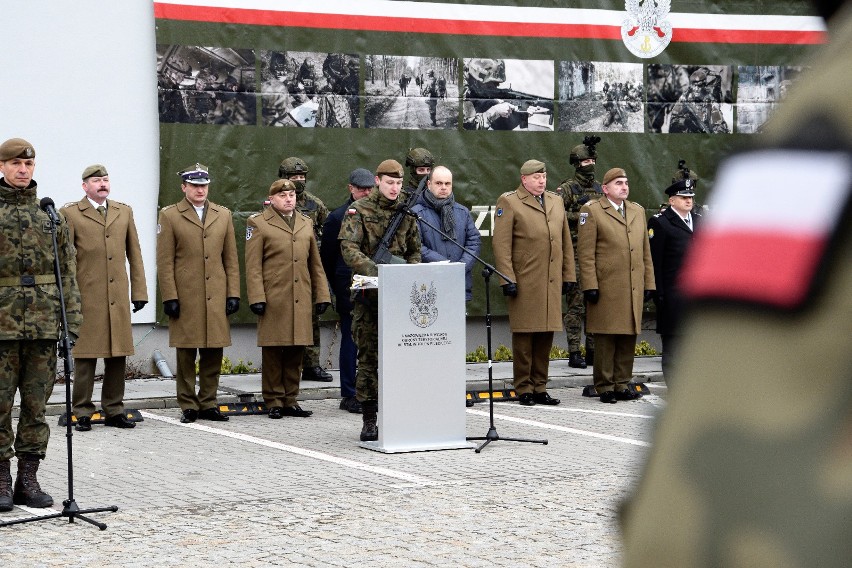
48, 206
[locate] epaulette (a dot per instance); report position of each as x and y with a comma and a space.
69, 204
305, 216
508, 193
167, 207
253, 215
119, 202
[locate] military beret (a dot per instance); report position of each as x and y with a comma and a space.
95, 170
612, 174
196, 174
684, 188
280, 185
533, 167
362, 177
390, 168
16, 148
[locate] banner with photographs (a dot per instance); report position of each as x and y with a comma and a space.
484, 87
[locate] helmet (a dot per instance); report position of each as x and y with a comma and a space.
486, 70
683, 172
292, 166
279, 65
584, 151
419, 157
431, 73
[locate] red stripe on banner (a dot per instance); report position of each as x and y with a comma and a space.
461, 27
766, 268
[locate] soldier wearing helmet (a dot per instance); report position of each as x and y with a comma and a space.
429, 89
296, 170
419, 162
483, 108
576, 191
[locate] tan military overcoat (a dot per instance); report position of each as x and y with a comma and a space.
532, 246
197, 264
283, 269
102, 248
615, 258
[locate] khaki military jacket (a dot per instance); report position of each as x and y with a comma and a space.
532, 246
615, 258
103, 246
283, 269
197, 265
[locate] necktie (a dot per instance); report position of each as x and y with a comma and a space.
621, 212
686, 220
102, 211
540, 199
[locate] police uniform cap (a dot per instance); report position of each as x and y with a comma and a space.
390, 168
612, 174
684, 188
362, 177
196, 174
16, 148
280, 185
95, 170
533, 167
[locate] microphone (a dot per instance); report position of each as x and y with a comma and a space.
48, 206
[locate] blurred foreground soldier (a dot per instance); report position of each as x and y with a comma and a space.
29, 321
296, 170
577, 191
339, 276
438, 206
670, 233
199, 276
360, 235
104, 233
761, 476
532, 247
419, 162
283, 274
617, 277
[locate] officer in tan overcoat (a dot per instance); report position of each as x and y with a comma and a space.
617, 277
199, 276
104, 234
532, 247
283, 273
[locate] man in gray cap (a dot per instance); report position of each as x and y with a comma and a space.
29, 321
339, 276
104, 233
532, 247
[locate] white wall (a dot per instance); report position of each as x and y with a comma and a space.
79, 83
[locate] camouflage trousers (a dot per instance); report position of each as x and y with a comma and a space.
312, 352
28, 366
575, 319
365, 332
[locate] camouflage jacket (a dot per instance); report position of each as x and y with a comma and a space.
312, 206
29, 296
364, 226
574, 195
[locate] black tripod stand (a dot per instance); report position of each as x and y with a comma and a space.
492, 434
70, 508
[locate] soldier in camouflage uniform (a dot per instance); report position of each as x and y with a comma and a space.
29, 321
296, 170
419, 162
577, 191
360, 234
698, 109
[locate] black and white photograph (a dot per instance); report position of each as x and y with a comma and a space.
206, 85
759, 90
690, 98
508, 94
310, 89
408, 92
599, 96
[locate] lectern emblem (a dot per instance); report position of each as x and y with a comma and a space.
423, 312
645, 31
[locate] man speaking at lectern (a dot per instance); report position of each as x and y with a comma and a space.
363, 228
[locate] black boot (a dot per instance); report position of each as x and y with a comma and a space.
576, 360
370, 430
5, 486
27, 490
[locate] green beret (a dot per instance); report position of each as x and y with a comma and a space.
16, 148
280, 185
612, 174
390, 168
533, 167
95, 170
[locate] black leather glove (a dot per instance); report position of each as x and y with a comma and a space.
258, 308
568, 287
172, 308
321, 307
232, 306
650, 295
592, 296
510, 290
138, 305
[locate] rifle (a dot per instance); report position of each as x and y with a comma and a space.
525, 105
383, 254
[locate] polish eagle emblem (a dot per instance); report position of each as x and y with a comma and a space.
423, 312
645, 31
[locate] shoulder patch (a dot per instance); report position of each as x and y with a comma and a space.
351, 211
249, 232
499, 211
583, 217
650, 233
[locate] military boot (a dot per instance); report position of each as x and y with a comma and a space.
370, 430
5, 486
27, 490
576, 360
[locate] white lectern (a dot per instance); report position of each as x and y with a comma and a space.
421, 358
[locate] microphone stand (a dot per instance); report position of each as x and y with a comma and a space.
492, 435
70, 508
